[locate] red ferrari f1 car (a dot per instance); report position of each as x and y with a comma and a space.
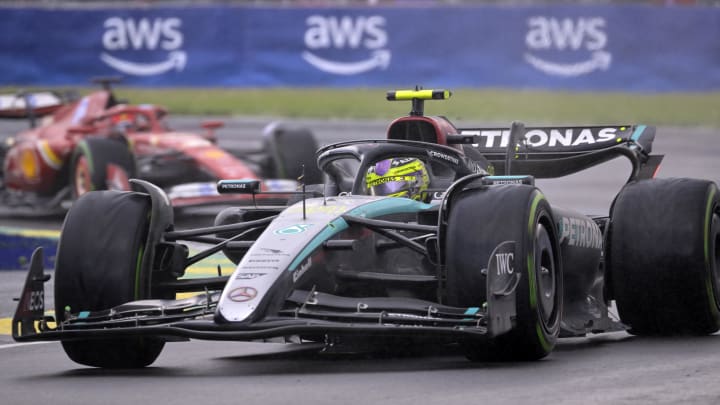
98, 142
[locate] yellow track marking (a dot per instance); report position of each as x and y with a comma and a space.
5, 326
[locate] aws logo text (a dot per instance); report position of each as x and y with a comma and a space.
351, 34
554, 38
159, 34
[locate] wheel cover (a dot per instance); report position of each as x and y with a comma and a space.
83, 178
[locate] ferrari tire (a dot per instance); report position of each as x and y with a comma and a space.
98, 267
101, 164
664, 255
288, 151
481, 219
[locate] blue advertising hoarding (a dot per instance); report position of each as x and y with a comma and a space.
624, 48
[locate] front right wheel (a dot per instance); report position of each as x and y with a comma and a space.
482, 219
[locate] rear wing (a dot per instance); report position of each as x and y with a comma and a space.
29, 104
542, 152
547, 152
32, 105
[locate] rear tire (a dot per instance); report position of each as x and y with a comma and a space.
98, 267
664, 255
479, 221
101, 164
288, 151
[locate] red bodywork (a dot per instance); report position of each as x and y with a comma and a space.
38, 159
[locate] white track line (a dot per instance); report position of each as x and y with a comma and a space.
13, 345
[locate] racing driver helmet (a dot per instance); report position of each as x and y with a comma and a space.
123, 120
398, 177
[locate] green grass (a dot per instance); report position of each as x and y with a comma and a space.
467, 105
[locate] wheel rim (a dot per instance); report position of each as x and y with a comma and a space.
83, 178
546, 274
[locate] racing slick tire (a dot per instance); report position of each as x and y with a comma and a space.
664, 254
98, 267
288, 151
481, 219
101, 164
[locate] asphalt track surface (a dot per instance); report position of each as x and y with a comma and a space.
600, 369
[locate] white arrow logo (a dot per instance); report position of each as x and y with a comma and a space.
379, 59
599, 60
176, 60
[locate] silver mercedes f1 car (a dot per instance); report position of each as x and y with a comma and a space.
435, 235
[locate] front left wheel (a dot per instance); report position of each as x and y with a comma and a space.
98, 266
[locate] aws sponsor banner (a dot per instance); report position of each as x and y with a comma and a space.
626, 48
17, 246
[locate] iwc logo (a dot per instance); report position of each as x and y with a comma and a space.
567, 47
353, 36
128, 37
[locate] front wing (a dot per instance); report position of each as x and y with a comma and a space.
306, 313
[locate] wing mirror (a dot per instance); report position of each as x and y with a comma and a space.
210, 127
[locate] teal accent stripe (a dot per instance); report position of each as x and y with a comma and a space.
372, 209
638, 131
335, 226
388, 206
83, 314
472, 311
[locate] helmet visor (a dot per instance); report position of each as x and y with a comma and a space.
390, 185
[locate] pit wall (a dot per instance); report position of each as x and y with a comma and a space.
639, 48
